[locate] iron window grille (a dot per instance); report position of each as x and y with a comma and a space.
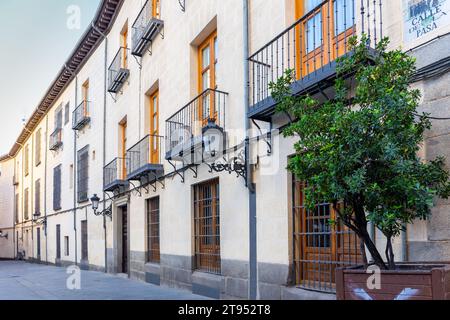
319, 248
57, 188
37, 197
118, 71
83, 174
207, 227
84, 240
26, 204
184, 128
80, 117
153, 231
56, 139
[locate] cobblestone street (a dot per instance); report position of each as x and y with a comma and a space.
25, 281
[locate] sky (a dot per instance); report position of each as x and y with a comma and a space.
37, 37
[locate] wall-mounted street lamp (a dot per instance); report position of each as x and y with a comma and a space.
213, 140
3, 235
95, 200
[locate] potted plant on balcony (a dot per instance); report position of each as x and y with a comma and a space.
359, 152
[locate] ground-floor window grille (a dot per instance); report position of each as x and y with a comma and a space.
319, 248
207, 227
153, 246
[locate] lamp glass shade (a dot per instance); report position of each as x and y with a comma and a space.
95, 201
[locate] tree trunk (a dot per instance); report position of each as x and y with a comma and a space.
390, 253
378, 260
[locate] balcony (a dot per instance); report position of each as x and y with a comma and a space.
80, 116
310, 48
118, 71
146, 28
145, 160
184, 141
114, 176
56, 139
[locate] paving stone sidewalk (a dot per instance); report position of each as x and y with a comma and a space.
26, 281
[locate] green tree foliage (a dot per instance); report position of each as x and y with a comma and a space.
359, 150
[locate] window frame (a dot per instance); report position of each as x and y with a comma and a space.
154, 132
153, 230
83, 175
38, 147
207, 235
57, 179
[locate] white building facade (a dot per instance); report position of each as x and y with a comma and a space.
127, 124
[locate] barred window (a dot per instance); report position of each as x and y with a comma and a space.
57, 188
83, 174
207, 227
66, 113
153, 246
319, 248
37, 197
66, 246
26, 204
84, 240
16, 209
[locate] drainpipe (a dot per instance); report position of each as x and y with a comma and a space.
104, 136
253, 266
45, 188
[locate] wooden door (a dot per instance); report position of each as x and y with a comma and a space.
124, 41
85, 97
124, 240
156, 7
122, 163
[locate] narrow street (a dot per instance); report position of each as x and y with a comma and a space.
25, 281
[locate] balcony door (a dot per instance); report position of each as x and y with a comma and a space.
122, 163
208, 64
154, 128
323, 33
156, 7
124, 43
85, 97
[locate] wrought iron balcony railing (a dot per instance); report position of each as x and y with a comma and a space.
118, 71
56, 139
145, 159
80, 116
184, 128
310, 48
114, 175
146, 27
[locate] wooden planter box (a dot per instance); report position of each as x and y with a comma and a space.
411, 281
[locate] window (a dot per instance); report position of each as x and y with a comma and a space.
208, 65
59, 118
26, 204
85, 96
154, 128
71, 174
67, 113
58, 241
38, 146
324, 32
57, 188
66, 246
37, 197
27, 160
84, 240
156, 9
153, 248
83, 174
319, 248
16, 208
207, 227
124, 43
123, 149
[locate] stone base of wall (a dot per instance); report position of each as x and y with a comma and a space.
273, 285
428, 251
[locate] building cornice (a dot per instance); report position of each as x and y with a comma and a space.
91, 39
